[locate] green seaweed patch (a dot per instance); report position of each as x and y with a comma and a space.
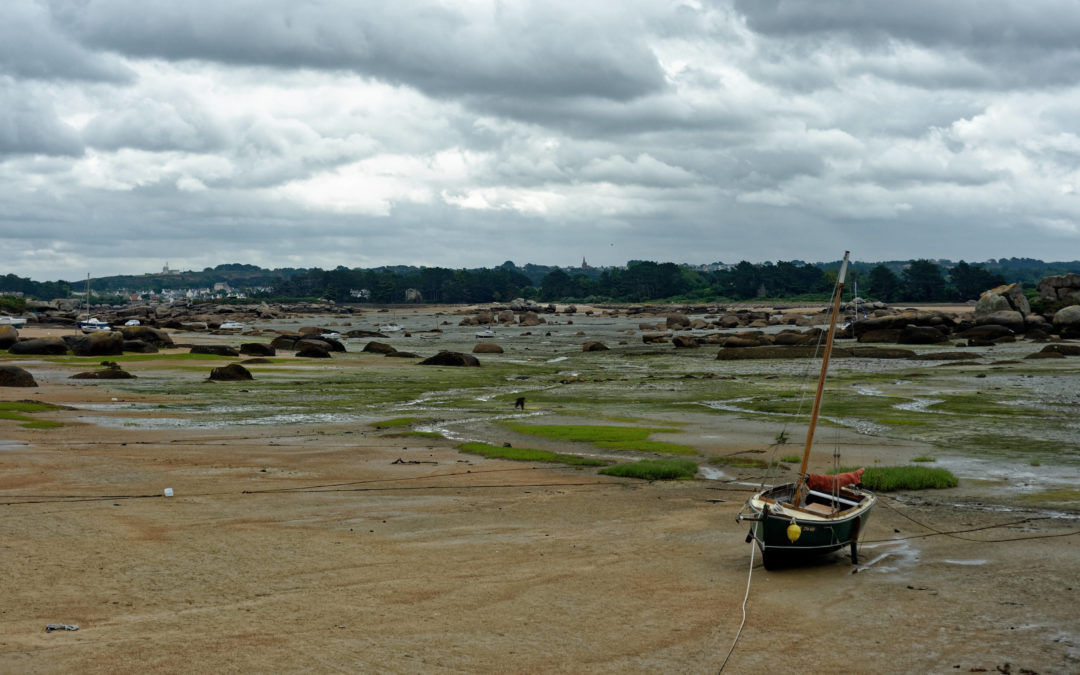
396, 423
528, 455
892, 478
16, 412
743, 462
1057, 496
26, 406
604, 436
924, 458
791, 459
654, 469
412, 434
979, 404
28, 422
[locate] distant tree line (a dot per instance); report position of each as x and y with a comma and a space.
640, 281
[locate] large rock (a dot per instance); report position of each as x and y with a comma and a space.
216, 350
506, 317
889, 335
8, 336
487, 348
286, 342
594, 346
684, 342
987, 332
233, 372
1060, 348
921, 335
676, 321
379, 348
451, 359
139, 347
530, 319
1067, 322
49, 346
257, 349
109, 343
14, 376
1062, 288
111, 371
312, 349
154, 336
1007, 298
1011, 319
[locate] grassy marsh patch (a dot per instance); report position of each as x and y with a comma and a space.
528, 455
396, 423
924, 458
654, 469
604, 436
16, 411
1058, 496
891, 478
413, 434
742, 462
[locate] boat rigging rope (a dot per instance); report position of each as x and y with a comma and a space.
955, 533
749, 576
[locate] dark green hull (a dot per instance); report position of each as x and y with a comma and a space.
818, 534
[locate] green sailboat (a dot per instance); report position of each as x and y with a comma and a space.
815, 514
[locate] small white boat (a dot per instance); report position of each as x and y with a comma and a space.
330, 336
430, 336
389, 328
232, 325
94, 325
13, 321
132, 322
488, 332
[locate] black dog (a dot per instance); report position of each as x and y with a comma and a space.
519, 403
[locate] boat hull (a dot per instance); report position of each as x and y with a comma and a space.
818, 534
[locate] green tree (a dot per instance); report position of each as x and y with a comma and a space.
971, 280
923, 282
884, 284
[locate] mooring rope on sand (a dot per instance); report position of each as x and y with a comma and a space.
746, 596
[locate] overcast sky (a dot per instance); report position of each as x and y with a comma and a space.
465, 133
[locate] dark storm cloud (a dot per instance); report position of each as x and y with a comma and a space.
529, 52
1013, 43
32, 47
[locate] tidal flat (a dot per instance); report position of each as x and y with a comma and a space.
324, 512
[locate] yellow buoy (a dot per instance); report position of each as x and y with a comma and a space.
793, 532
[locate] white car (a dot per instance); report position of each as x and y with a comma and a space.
132, 322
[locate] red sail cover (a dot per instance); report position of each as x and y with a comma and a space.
823, 483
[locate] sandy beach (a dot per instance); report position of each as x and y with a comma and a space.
333, 546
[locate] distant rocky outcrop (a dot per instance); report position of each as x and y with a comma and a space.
14, 376
139, 347
110, 371
1064, 288
1067, 322
109, 343
379, 348
257, 349
149, 334
447, 358
216, 350
48, 346
233, 372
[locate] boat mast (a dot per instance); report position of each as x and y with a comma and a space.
87, 296
838, 292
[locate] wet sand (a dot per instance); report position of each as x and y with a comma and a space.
308, 548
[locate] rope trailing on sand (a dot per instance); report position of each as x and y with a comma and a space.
749, 576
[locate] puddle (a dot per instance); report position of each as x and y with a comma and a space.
712, 473
557, 359
965, 562
919, 405
12, 445
888, 556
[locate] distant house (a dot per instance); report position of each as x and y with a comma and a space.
360, 294
413, 295
222, 286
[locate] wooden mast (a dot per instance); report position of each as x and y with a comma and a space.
796, 498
